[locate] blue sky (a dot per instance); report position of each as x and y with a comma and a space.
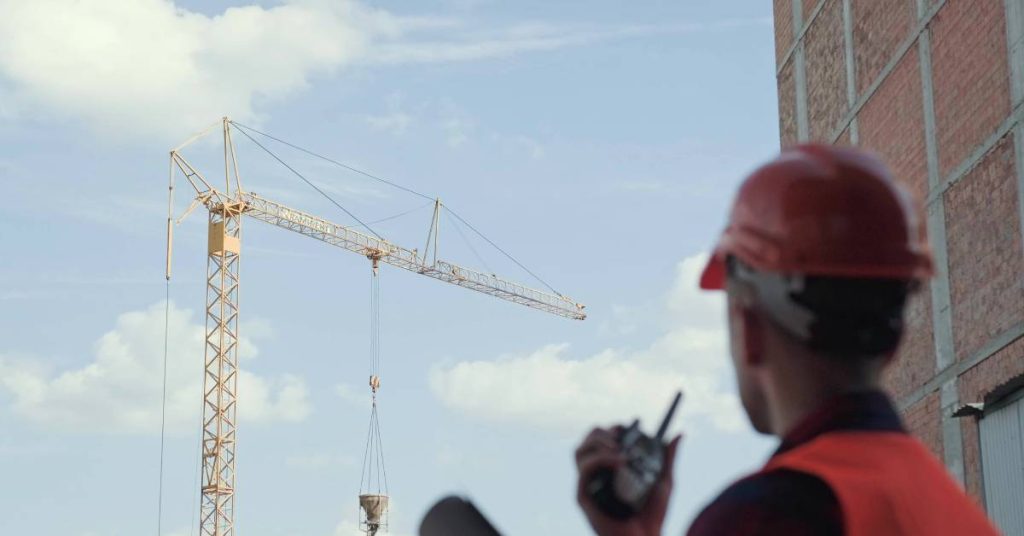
598, 142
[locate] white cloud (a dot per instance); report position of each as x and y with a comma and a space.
519, 144
467, 5
120, 390
394, 122
153, 67
457, 130
530, 145
505, 42
348, 528
7, 111
549, 389
622, 320
529, 37
456, 125
159, 67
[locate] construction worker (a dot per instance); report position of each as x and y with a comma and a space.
819, 256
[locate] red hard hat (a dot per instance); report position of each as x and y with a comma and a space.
824, 211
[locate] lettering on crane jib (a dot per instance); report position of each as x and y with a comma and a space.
306, 221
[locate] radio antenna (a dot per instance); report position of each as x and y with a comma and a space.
671, 410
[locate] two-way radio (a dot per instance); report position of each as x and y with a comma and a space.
623, 492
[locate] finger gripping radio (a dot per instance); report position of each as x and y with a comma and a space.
621, 493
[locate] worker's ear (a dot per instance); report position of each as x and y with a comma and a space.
753, 337
746, 325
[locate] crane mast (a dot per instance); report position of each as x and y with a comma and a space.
220, 377
220, 381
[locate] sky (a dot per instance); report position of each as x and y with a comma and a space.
599, 143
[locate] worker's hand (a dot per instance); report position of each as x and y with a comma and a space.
601, 450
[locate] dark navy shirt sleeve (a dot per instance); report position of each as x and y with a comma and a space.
780, 502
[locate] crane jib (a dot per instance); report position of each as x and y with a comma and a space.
308, 221
345, 237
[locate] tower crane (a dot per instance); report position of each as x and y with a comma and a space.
226, 208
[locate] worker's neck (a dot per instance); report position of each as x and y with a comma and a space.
797, 392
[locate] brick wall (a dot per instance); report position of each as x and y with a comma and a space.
971, 74
932, 92
878, 29
826, 78
892, 122
915, 360
787, 105
920, 419
986, 255
783, 11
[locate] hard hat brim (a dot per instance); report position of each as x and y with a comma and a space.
713, 276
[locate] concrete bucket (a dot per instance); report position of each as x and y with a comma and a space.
375, 506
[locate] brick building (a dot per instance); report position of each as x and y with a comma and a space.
936, 87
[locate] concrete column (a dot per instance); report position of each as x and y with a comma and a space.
800, 75
1015, 47
942, 321
851, 69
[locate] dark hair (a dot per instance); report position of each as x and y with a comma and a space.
854, 317
840, 316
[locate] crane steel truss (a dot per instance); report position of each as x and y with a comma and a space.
220, 381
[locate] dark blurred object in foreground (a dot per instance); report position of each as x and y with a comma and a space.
456, 516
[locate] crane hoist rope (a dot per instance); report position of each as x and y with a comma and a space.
373, 481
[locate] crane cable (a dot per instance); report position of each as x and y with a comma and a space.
374, 473
335, 162
163, 412
167, 330
396, 216
469, 245
503, 252
310, 183
243, 128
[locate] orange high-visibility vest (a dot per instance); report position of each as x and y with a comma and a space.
887, 483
